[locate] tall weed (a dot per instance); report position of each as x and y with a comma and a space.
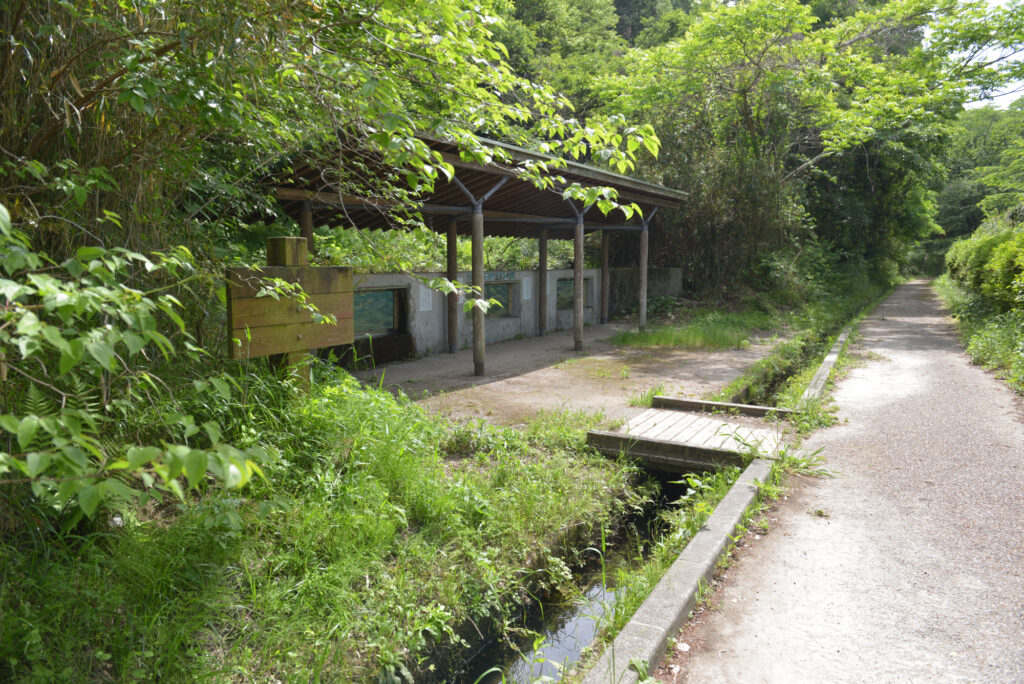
381, 536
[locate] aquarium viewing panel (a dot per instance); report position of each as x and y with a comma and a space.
261, 326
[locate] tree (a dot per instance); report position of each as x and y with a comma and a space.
757, 96
561, 43
126, 128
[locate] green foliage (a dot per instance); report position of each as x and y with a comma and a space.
78, 349
990, 262
1007, 178
984, 288
994, 338
170, 115
957, 206
561, 43
785, 121
376, 542
980, 143
698, 330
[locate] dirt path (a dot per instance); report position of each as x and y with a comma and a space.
907, 566
524, 376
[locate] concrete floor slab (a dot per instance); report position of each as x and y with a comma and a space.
545, 373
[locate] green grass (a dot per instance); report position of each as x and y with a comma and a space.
634, 581
645, 398
775, 379
381, 537
994, 338
699, 330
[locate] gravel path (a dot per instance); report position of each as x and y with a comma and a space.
907, 566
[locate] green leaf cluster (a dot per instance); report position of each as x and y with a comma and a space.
79, 341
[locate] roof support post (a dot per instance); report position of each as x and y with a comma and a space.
542, 283
306, 223
479, 335
577, 285
453, 297
605, 276
479, 349
577, 279
642, 304
644, 245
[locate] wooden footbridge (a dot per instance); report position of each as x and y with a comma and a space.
675, 436
677, 441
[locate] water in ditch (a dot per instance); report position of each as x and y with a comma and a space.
555, 634
557, 630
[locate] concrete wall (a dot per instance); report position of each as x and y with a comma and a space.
428, 309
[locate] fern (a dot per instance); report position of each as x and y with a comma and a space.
37, 403
82, 396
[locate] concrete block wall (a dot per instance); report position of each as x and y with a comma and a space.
428, 309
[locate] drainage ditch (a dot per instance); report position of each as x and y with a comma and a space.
555, 631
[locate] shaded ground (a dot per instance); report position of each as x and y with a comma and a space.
544, 373
909, 564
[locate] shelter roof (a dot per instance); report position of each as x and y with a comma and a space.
515, 209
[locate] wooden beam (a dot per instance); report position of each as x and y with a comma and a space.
637, 190
478, 282
661, 455
453, 297
258, 312
283, 339
577, 287
332, 199
542, 283
682, 404
246, 282
605, 276
301, 194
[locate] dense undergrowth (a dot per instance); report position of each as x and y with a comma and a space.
381, 539
984, 287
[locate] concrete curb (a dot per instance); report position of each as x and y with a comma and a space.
817, 385
668, 607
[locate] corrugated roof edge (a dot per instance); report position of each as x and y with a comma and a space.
579, 169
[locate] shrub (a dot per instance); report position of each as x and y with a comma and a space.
85, 344
1004, 267
966, 259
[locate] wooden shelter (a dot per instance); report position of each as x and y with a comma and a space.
492, 199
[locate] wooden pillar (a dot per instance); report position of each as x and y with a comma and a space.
577, 289
644, 236
478, 283
605, 276
306, 223
542, 283
287, 251
291, 251
453, 297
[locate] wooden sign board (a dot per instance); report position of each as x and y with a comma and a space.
282, 326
